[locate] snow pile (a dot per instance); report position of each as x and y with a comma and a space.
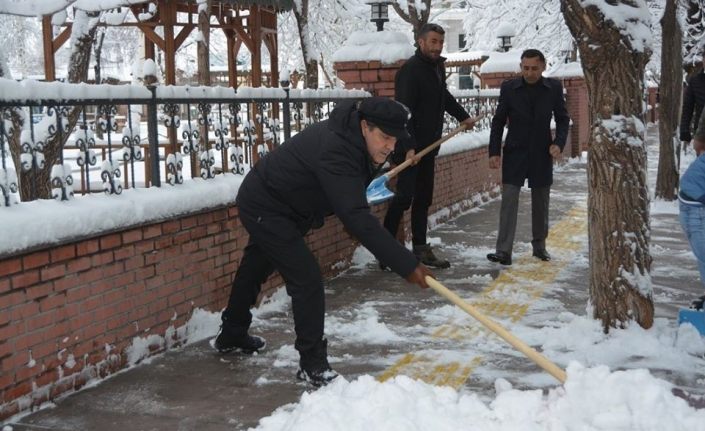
385, 46
500, 62
566, 70
592, 398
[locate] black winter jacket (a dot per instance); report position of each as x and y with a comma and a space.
321, 171
525, 154
420, 84
693, 102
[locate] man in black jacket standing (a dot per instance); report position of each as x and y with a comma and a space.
321, 171
693, 102
527, 103
421, 85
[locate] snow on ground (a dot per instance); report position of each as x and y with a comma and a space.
591, 399
616, 381
594, 397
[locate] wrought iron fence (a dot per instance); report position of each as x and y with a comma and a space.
136, 136
476, 102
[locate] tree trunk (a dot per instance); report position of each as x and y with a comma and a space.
204, 76
670, 91
97, 52
618, 198
36, 183
203, 46
310, 59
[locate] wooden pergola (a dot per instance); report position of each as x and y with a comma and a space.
244, 22
456, 61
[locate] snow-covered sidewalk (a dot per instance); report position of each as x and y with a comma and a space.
411, 360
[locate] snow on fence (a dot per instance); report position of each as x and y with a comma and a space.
107, 138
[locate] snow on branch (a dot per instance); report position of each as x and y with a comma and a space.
633, 21
33, 7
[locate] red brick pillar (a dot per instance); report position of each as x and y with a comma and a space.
372, 76
576, 100
495, 79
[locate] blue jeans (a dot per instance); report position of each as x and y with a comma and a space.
692, 219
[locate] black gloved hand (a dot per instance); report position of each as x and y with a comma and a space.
685, 137
418, 277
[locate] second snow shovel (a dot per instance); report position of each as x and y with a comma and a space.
495, 327
378, 192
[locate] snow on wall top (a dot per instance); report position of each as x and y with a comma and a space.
502, 62
565, 70
385, 46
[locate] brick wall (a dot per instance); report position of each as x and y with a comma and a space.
576, 100
373, 76
69, 312
494, 80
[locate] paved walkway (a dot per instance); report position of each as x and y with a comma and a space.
193, 388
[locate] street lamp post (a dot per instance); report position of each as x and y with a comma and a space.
379, 12
505, 32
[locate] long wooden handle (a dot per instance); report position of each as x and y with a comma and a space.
495, 327
406, 163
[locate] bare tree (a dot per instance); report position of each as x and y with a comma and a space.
694, 40
310, 57
670, 90
413, 14
614, 54
36, 183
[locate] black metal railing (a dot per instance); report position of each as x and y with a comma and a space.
476, 102
136, 136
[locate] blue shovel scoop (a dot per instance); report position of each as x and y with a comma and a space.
378, 192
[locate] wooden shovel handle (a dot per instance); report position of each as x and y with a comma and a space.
495, 327
393, 173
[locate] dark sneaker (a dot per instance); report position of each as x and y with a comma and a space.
383, 267
227, 341
698, 303
542, 254
314, 367
317, 378
500, 257
425, 254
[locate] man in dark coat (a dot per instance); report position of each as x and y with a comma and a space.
527, 103
693, 102
420, 85
321, 171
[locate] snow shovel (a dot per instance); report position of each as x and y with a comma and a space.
378, 192
495, 327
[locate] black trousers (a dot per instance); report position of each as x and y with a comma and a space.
415, 190
277, 242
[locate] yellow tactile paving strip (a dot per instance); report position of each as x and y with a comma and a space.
507, 297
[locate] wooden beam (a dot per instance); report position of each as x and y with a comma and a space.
168, 11
47, 36
237, 27
150, 34
253, 22
62, 37
183, 34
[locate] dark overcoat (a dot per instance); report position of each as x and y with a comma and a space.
324, 170
420, 84
693, 102
525, 153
